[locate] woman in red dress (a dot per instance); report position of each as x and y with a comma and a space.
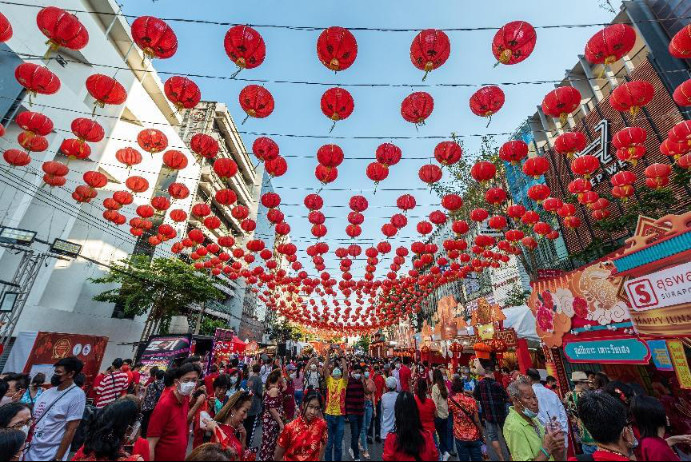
305, 438
228, 428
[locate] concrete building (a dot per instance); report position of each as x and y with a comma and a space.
62, 296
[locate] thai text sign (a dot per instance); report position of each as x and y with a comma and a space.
670, 287
681, 364
618, 351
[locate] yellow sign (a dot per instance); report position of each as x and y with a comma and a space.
681, 364
485, 331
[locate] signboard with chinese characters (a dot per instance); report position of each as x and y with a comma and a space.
681, 363
617, 351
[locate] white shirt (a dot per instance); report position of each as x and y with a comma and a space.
51, 428
551, 407
388, 417
264, 373
397, 376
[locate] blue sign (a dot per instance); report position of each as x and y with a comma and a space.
617, 351
661, 358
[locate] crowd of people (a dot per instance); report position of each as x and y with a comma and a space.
298, 410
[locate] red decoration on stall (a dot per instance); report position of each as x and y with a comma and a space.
514, 42
430, 50
155, 37
514, 152
63, 29
37, 79
106, 90
610, 44
417, 108
257, 102
561, 102
182, 92
337, 48
245, 47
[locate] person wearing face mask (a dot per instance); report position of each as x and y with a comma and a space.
304, 438
57, 414
16, 416
11, 444
525, 436
169, 424
17, 384
606, 419
312, 376
211, 407
370, 411
355, 409
256, 388
289, 392
336, 385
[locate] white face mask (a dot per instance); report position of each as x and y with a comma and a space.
233, 380
313, 367
187, 388
25, 429
398, 366
357, 376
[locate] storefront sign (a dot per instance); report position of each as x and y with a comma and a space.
660, 353
163, 351
681, 364
619, 351
670, 287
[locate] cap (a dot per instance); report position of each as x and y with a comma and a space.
391, 383
291, 367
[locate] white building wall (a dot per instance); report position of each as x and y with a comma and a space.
61, 300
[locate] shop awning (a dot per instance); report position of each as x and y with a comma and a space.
522, 320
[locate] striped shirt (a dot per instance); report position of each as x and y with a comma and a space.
355, 398
111, 388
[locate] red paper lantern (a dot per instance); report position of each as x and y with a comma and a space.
552, 204
514, 42
658, 171
624, 178
123, 198
580, 186
610, 44
417, 108
438, 217
326, 175
265, 149
226, 197
572, 222
330, 156
137, 184
178, 191
623, 192
225, 168
542, 228
35, 123
358, 204
314, 202
55, 168
514, 152
5, 29
160, 203
204, 146
271, 200
106, 90
452, 202
155, 37
430, 174
539, 192
496, 196
561, 102
498, 223
479, 215
337, 48
37, 79
570, 144
75, 149
353, 231
632, 96
337, 104
257, 102
276, 167
536, 166
483, 171
63, 29
514, 235
145, 211
682, 95
425, 227
680, 46
32, 143
245, 47
530, 218
399, 221
129, 157
96, 180
182, 92
406, 202
54, 181
629, 137
175, 160
487, 101
389, 154
87, 130
430, 50
684, 162
377, 172
84, 194
16, 158
448, 153
585, 165
178, 216
152, 141
681, 133
567, 210
516, 211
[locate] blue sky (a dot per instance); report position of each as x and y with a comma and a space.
383, 58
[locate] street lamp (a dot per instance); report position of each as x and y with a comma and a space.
16, 236
9, 300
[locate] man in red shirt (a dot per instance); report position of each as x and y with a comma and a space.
209, 379
168, 431
405, 376
112, 386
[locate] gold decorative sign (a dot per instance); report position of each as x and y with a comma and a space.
664, 322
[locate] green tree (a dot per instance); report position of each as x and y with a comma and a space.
161, 287
517, 297
209, 326
364, 343
282, 331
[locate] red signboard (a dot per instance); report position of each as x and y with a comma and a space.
51, 347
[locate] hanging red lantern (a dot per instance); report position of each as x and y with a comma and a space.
137, 184
425, 227
240, 212
567, 210
330, 156
682, 95
479, 215
600, 204
16, 158
417, 108
175, 160
74, 149
54, 181
377, 172
681, 133
152, 141
452, 202
599, 215
514, 235
202, 211
63, 29
204, 146
632, 96
514, 152
358, 204
496, 196
276, 167
128, 157
623, 192
536, 166
84, 194
55, 168
87, 130
314, 202
658, 174
680, 46
123, 198
326, 175
570, 144
37, 79
5, 29
430, 50
389, 154
514, 42
265, 149
353, 231
487, 101
35, 123
580, 186
225, 168
629, 137
483, 172
684, 161
561, 102
498, 223
271, 200
539, 193
541, 228
245, 47
530, 218
337, 48
516, 211
624, 178
182, 92
106, 90
610, 44
399, 221
145, 211
585, 165
160, 203
572, 222
257, 102
96, 180
552, 204
337, 104
178, 191
589, 198
448, 153
406, 202
633, 154
430, 174
32, 143
438, 217
226, 197
155, 37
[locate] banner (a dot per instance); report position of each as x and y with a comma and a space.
162, 352
619, 351
51, 347
681, 364
660, 353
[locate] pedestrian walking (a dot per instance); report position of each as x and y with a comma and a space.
273, 418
